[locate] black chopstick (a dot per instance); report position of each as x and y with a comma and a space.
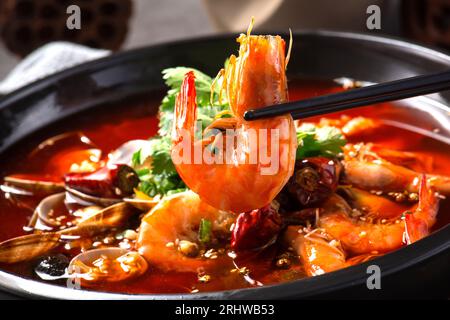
377, 93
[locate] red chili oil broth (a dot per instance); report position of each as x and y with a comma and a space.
110, 126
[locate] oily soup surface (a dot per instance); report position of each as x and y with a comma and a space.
109, 127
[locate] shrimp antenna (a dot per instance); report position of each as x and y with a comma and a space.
228, 72
213, 87
250, 26
288, 56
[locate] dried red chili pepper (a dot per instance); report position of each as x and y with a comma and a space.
110, 181
300, 216
256, 229
314, 180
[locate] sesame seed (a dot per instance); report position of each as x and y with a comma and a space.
283, 263
204, 278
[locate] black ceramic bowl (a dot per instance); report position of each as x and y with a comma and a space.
421, 269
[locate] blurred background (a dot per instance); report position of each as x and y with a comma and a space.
122, 24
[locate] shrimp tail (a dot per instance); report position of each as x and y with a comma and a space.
185, 109
418, 223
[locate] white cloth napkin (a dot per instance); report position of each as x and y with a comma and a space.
48, 59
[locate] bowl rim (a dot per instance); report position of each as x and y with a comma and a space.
117, 57
435, 243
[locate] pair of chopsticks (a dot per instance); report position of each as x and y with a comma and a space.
383, 92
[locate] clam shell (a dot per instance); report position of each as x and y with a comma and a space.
88, 199
86, 212
90, 256
111, 217
71, 151
82, 265
35, 186
40, 219
141, 204
64, 139
12, 190
27, 247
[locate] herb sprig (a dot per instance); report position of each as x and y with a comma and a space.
154, 166
319, 141
161, 177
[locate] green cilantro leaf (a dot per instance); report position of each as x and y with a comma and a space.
136, 158
173, 78
161, 177
204, 231
323, 141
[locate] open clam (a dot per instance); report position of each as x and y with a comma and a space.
41, 218
86, 199
31, 246
107, 265
27, 247
142, 201
60, 154
142, 204
87, 220
111, 217
33, 186
72, 151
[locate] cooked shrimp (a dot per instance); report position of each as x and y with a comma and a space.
318, 256
371, 151
373, 206
360, 236
368, 167
168, 235
418, 223
350, 127
258, 165
360, 126
383, 175
411, 160
320, 253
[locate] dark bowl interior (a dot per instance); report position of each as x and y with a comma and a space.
420, 269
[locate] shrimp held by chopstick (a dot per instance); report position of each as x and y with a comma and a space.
256, 167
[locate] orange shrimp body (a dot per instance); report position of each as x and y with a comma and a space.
319, 253
419, 223
246, 179
173, 219
371, 169
362, 237
373, 206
